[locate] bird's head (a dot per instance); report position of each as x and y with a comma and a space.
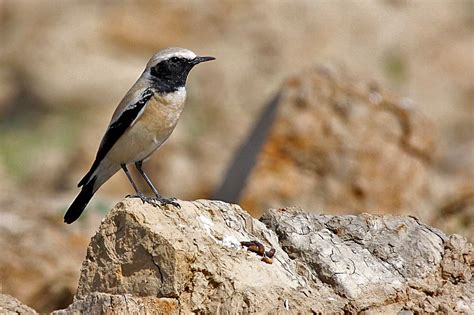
170, 67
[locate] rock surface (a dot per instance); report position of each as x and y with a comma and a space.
192, 255
380, 260
172, 260
10, 305
103, 303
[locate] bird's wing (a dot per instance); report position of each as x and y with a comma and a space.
128, 111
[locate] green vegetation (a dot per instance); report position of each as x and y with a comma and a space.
24, 143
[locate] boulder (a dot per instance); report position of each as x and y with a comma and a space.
169, 260
192, 255
342, 145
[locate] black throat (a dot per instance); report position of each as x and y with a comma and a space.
171, 74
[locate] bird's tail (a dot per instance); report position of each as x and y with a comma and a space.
96, 178
80, 203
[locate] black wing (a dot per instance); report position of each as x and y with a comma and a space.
116, 130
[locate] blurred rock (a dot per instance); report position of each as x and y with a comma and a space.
187, 260
455, 212
40, 255
342, 145
9, 306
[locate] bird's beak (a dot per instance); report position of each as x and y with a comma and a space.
200, 59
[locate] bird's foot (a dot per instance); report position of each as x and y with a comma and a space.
157, 201
169, 201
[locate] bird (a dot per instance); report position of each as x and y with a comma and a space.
141, 123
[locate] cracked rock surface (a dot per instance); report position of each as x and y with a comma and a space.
168, 260
375, 260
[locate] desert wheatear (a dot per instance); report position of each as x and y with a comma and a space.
143, 120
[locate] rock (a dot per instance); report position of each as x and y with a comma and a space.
372, 259
170, 260
103, 303
39, 256
343, 146
10, 305
193, 256
455, 212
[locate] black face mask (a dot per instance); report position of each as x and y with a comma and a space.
171, 74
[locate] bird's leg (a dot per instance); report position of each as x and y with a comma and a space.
139, 193
159, 197
138, 165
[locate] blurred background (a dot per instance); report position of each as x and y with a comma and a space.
376, 115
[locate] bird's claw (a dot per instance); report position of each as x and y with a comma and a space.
169, 201
157, 201
152, 201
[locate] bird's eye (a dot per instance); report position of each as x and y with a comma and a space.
174, 59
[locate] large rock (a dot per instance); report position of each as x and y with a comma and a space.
194, 256
172, 260
371, 259
342, 145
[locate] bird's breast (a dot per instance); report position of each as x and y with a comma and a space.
162, 112
156, 123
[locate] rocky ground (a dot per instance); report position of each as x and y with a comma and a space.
170, 261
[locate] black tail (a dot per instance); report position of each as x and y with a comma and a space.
80, 203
